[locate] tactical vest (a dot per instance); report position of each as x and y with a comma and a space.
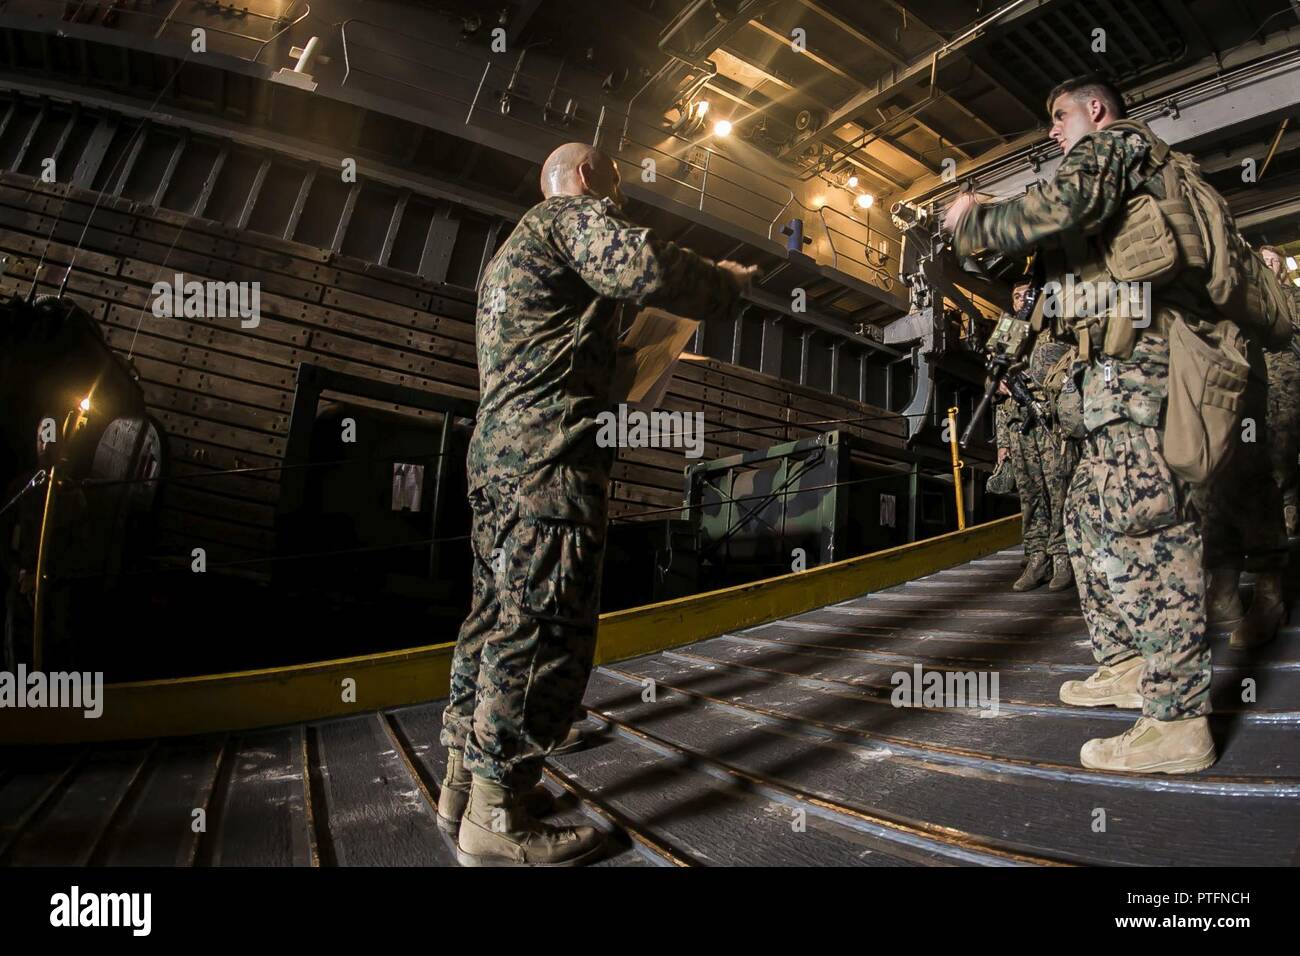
1156, 239
1188, 238
1177, 234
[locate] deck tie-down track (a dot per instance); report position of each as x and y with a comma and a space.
774, 745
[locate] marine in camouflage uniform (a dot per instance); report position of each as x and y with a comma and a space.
1241, 517
1284, 408
1284, 424
1134, 542
1248, 507
547, 330
1041, 462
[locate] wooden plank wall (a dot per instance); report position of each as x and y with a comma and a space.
224, 393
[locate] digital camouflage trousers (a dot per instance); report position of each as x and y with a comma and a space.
525, 651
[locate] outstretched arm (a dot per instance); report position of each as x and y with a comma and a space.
1089, 188
622, 261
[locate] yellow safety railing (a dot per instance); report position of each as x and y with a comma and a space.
283, 695
957, 466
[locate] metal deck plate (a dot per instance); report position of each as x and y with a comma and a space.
777, 745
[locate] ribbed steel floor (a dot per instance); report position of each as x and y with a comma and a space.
775, 745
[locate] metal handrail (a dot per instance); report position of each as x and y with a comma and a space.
711, 176
707, 171
873, 272
881, 277
709, 151
712, 179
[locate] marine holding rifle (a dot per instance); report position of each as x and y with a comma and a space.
1039, 459
1120, 209
1284, 400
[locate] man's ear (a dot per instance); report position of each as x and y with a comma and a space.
586, 173
1096, 109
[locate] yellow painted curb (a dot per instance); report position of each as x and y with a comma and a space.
303, 692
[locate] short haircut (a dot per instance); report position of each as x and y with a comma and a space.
1273, 249
1019, 282
1090, 86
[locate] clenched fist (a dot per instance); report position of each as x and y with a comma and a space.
743, 275
963, 204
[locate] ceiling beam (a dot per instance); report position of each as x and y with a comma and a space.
888, 84
910, 153
857, 81
1286, 206
946, 140
846, 27
897, 60
1254, 98
849, 150
892, 179
1217, 162
761, 69
1224, 71
910, 17
807, 54
720, 33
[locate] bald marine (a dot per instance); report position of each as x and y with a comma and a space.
579, 169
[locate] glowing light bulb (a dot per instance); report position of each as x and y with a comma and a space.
701, 107
818, 201
865, 200
85, 404
853, 182
722, 128
1290, 263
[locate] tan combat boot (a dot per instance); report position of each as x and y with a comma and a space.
454, 795
1113, 686
1223, 597
574, 741
1035, 573
1062, 573
498, 831
1154, 746
1267, 611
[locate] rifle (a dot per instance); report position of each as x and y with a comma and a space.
1007, 356
1018, 384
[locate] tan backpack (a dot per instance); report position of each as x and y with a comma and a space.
1208, 372
1192, 228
